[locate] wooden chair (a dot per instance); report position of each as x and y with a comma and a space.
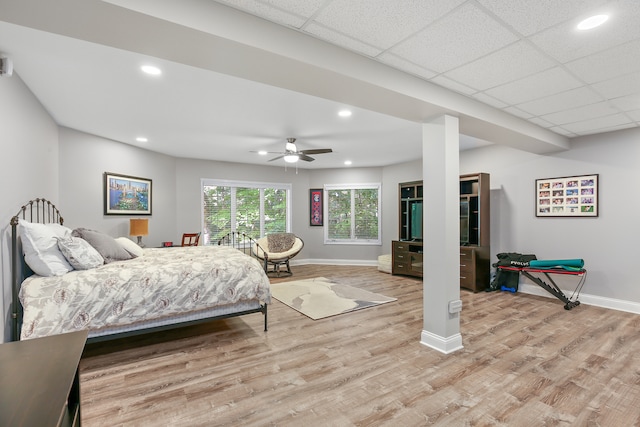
190, 239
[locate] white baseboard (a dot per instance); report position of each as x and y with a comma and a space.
595, 300
444, 345
525, 288
358, 262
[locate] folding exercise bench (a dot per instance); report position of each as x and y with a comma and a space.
538, 268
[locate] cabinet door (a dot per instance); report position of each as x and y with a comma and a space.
416, 263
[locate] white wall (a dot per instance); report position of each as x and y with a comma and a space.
29, 143
392, 176
66, 166
606, 243
190, 172
341, 253
83, 160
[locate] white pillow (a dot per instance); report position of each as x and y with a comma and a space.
40, 248
130, 246
80, 254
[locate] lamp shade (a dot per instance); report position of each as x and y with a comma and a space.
138, 227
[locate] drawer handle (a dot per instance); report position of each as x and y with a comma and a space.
463, 265
399, 256
463, 277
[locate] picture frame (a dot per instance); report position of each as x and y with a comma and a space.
567, 196
127, 195
316, 206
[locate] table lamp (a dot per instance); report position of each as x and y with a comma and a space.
139, 227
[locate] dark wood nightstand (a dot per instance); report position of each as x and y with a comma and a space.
41, 382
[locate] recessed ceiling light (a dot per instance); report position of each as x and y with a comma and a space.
347, 162
592, 22
142, 139
344, 113
150, 69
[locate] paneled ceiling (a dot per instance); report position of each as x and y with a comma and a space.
524, 57
240, 76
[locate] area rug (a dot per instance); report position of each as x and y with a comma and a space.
319, 297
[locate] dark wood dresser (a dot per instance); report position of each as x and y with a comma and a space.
40, 381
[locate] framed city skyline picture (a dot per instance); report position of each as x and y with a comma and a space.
126, 195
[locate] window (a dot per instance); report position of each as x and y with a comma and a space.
253, 208
353, 214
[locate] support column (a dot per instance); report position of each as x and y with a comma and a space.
441, 281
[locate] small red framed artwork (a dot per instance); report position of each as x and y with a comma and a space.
315, 206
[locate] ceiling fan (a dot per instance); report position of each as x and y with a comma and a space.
292, 155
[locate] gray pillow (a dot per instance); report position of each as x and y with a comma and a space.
105, 245
80, 254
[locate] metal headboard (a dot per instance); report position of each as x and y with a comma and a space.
241, 242
39, 211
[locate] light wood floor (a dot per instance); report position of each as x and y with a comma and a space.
526, 362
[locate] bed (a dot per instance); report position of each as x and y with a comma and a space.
157, 289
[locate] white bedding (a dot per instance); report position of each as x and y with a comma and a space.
163, 282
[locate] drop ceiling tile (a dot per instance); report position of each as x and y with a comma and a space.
607, 129
561, 101
585, 127
304, 8
287, 12
453, 85
619, 86
545, 83
404, 65
586, 112
519, 13
566, 43
382, 23
339, 39
606, 65
489, 100
627, 103
503, 66
460, 37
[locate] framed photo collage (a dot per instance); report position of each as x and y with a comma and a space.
570, 196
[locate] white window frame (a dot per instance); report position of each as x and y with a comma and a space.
247, 184
352, 241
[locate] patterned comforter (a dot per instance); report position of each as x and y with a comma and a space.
162, 282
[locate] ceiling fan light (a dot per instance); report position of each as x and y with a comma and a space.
291, 158
290, 146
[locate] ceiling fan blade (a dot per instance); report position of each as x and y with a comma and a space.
276, 158
317, 151
304, 157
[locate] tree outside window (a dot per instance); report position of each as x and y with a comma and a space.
353, 214
255, 209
